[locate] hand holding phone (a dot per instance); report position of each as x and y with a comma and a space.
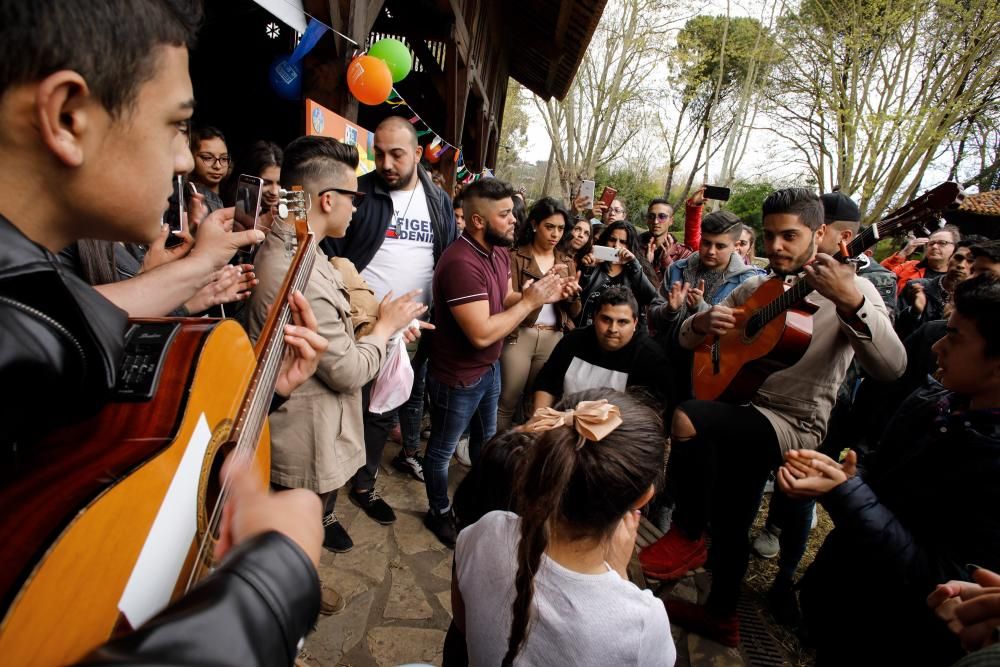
716, 192
608, 196
248, 193
603, 253
587, 191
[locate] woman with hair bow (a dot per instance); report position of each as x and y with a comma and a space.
562, 557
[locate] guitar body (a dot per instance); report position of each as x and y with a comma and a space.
733, 367
133, 481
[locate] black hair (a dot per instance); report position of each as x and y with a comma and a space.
204, 133
492, 189
111, 44
800, 202
520, 212
490, 482
264, 154
585, 486
544, 208
456, 203
969, 241
987, 249
618, 296
722, 222
658, 200
978, 299
308, 159
586, 248
631, 241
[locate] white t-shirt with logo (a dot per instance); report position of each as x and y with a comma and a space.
406, 259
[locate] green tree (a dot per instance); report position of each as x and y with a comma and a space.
872, 90
746, 200
717, 65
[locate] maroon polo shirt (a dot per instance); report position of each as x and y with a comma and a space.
466, 272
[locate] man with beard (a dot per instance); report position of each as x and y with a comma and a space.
476, 309
721, 453
402, 225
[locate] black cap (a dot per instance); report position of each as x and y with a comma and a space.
838, 206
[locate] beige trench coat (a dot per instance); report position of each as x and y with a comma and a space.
317, 436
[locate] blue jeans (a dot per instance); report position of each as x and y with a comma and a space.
794, 518
453, 409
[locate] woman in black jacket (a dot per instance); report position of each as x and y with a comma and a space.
631, 271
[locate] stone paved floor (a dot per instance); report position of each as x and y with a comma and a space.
397, 585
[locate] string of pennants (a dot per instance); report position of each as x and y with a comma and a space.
438, 147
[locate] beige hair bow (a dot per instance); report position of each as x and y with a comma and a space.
593, 420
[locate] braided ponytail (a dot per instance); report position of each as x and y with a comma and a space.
544, 477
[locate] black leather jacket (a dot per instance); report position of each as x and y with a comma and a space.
60, 346
60, 341
252, 611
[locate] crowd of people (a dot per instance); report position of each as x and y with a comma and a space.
553, 343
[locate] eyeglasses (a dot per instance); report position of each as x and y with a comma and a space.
616, 209
213, 160
931, 244
355, 196
662, 217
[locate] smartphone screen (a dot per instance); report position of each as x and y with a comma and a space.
716, 192
603, 253
176, 213
247, 201
608, 196
587, 190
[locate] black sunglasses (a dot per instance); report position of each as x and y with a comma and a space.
355, 196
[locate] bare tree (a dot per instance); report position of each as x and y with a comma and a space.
606, 106
870, 92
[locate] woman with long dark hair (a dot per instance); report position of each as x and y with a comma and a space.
538, 252
562, 557
630, 270
580, 243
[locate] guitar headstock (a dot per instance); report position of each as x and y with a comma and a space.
925, 212
295, 203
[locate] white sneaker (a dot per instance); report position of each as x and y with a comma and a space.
462, 453
766, 543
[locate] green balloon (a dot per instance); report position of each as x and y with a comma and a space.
394, 54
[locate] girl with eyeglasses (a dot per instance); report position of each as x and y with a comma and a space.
212, 164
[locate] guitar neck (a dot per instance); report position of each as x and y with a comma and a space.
270, 348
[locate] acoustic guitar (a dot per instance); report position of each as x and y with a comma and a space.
115, 517
774, 326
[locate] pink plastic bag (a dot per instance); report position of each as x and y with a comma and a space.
395, 379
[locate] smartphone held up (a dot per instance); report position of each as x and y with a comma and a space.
248, 194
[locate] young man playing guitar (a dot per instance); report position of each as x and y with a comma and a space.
722, 453
95, 101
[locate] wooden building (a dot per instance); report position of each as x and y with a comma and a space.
464, 52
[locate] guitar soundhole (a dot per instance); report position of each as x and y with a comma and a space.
753, 327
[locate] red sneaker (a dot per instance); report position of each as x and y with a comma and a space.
396, 435
671, 556
722, 628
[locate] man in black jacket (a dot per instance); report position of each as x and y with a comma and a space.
401, 227
923, 508
95, 100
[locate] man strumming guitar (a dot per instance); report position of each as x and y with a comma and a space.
722, 453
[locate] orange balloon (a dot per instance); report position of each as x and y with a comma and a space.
369, 80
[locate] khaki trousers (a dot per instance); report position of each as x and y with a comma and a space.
520, 362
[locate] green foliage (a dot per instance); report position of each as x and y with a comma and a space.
635, 189
746, 201
698, 57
